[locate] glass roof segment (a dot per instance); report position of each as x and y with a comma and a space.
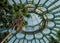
43, 24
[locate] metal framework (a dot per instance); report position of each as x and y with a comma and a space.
50, 15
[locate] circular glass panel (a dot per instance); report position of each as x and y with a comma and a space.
19, 35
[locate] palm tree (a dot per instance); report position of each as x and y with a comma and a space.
12, 16
15, 20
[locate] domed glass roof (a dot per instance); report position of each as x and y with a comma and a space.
43, 24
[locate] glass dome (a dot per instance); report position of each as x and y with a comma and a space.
43, 24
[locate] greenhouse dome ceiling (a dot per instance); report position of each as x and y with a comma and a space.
43, 25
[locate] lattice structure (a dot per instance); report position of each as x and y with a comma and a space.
43, 24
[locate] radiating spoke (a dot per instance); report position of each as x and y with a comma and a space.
37, 4
52, 3
14, 1
44, 2
55, 12
20, 1
32, 1
27, 1
54, 8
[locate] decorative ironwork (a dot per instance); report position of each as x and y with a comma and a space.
43, 24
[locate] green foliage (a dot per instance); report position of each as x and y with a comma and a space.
27, 15
53, 40
15, 7
2, 36
2, 1
58, 34
19, 5
25, 10
14, 11
24, 22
